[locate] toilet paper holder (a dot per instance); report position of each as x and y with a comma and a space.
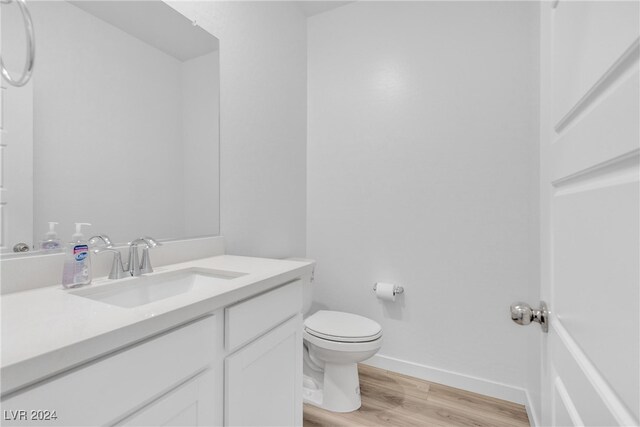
396, 289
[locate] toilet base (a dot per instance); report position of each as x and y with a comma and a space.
339, 390
341, 387
311, 392
333, 367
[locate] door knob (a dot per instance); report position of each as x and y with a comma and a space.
523, 314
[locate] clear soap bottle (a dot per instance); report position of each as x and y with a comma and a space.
77, 263
51, 242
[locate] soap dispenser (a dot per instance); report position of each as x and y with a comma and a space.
50, 242
77, 264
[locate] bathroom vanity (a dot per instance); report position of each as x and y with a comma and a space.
208, 342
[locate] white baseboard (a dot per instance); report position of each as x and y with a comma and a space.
453, 379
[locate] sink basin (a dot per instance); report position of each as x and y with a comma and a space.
144, 290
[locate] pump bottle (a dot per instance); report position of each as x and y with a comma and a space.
51, 242
77, 264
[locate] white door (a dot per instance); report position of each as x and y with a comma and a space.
263, 380
590, 119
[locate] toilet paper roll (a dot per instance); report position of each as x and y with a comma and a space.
385, 291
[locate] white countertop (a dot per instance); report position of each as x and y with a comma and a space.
49, 330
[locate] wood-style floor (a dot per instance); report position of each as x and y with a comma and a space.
390, 399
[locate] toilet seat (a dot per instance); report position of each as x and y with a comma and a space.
342, 327
341, 346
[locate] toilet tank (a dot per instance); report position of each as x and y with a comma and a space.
307, 285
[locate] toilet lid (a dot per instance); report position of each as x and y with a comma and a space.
343, 327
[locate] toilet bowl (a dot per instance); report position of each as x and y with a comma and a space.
334, 343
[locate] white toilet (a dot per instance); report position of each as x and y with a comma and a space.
334, 343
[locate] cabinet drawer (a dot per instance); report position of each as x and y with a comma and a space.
251, 318
115, 386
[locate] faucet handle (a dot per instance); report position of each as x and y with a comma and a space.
135, 266
117, 269
145, 265
134, 261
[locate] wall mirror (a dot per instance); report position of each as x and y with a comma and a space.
119, 126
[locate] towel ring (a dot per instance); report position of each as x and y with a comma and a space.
31, 47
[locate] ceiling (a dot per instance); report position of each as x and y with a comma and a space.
183, 41
312, 7
156, 24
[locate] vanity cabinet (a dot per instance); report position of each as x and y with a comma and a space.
143, 378
240, 365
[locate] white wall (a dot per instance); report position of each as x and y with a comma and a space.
422, 169
262, 123
200, 125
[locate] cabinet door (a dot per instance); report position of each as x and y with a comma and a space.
189, 404
263, 380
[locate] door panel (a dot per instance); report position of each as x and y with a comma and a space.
565, 411
580, 380
588, 38
596, 250
612, 121
590, 156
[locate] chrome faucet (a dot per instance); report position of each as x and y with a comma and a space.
117, 269
136, 267
101, 237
